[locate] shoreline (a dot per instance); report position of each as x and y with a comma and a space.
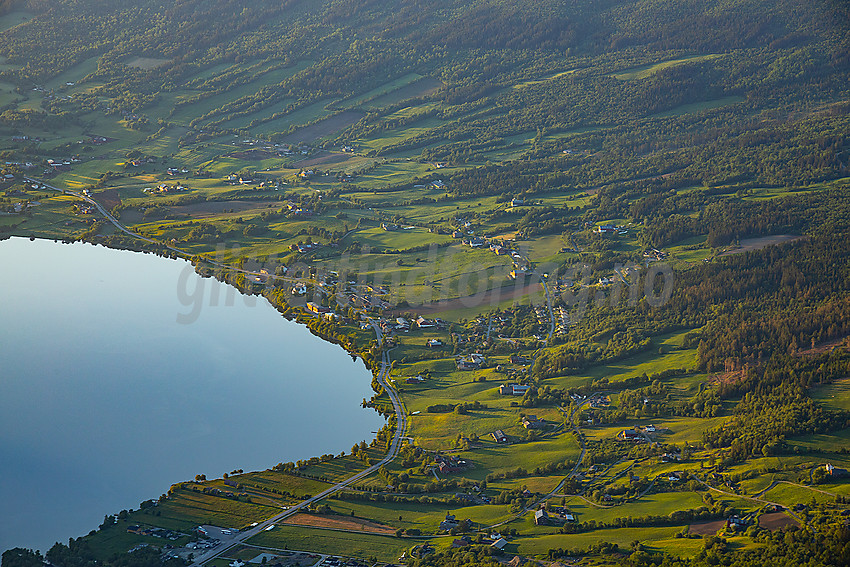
288, 313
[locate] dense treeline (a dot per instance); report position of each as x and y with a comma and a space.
78, 554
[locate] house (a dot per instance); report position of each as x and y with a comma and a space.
452, 466
499, 436
414, 380
449, 523
520, 389
835, 472
424, 323
541, 518
531, 422
517, 202
460, 543
506, 389
736, 523
316, 308
433, 343
499, 543
389, 227
468, 364
438, 184
605, 229
629, 435
517, 359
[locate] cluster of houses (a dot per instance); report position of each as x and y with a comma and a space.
653, 254
562, 320
83, 209
558, 516
471, 362
422, 550
737, 524
281, 150
480, 241
165, 188
542, 315
474, 242
141, 162
305, 247
533, 422
449, 523
521, 268
367, 301
631, 435
610, 230
234, 179
670, 457
20, 164
447, 464
21, 138
600, 401
517, 202
56, 165
296, 209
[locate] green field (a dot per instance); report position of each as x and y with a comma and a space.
645, 71
384, 548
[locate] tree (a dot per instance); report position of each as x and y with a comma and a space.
20, 557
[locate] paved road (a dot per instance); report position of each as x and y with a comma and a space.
115, 222
102, 211
401, 426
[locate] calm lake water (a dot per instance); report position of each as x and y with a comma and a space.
106, 399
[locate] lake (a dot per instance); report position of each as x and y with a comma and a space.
114, 387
